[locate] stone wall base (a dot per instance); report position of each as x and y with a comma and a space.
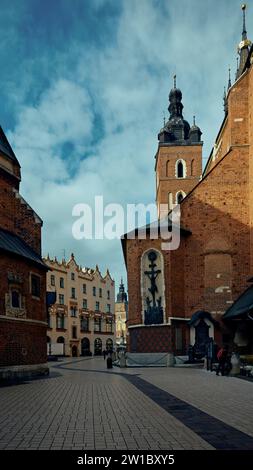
16, 373
150, 360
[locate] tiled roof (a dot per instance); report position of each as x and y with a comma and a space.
15, 245
5, 147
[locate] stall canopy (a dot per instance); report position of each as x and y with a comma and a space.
241, 307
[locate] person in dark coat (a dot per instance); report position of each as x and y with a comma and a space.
222, 357
104, 353
109, 361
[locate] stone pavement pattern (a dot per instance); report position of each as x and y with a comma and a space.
84, 406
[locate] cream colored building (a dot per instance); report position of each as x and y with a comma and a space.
82, 317
121, 315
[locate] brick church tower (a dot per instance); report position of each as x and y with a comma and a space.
179, 156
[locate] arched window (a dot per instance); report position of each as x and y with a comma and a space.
97, 347
85, 347
153, 289
180, 196
60, 340
180, 169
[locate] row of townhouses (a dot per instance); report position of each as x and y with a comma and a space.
80, 309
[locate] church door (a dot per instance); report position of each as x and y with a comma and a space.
74, 351
201, 338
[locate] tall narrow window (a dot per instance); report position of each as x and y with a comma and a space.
180, 169
167, 168
179, 197
73, 311
61, 282
84, 324
108, 325
73, 293
15, 299
97, 324
60, 321
52, 280
35, 285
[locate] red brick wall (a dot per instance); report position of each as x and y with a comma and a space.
151, 339
16, 216
218, 211
158, 339
36, 309
22, 343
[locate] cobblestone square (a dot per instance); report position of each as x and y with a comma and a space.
82, 405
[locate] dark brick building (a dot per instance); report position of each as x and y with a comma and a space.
22, 271
178, 298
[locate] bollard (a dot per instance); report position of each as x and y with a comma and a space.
235, 362
170, 360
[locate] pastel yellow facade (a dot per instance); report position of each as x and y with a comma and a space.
82, 317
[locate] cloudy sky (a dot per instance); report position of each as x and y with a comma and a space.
84, 84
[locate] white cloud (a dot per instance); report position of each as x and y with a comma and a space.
124, 87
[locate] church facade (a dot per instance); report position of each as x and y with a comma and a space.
178, 298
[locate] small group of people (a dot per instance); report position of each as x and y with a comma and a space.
222, 356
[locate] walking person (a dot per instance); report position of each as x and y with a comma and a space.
209, 354
222, 357
109, 360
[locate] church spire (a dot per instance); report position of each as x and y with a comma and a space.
229, 79
243, 48
121, 296
244, 32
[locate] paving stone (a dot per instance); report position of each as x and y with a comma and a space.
85, 407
